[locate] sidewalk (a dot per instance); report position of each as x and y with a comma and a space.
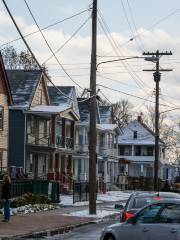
39, 224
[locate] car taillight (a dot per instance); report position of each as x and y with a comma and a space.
128, 215
157, 198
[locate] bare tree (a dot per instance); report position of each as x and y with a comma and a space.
121, 113
18, 60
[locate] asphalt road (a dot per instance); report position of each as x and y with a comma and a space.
88, 232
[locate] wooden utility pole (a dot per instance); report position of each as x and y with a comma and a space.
157, 78
93, 110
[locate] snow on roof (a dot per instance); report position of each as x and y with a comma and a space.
23, 85
59, 99
50, 109
107, 126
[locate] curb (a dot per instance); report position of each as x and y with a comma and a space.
48, 232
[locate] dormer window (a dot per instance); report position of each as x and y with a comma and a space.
1, 118
135, 134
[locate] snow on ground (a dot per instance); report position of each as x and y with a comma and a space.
112, 196
99, 214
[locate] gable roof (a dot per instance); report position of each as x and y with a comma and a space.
145, 136
84, 110
59, 99
105, 114
4, 79
23, 85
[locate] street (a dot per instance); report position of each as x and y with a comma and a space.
88, 232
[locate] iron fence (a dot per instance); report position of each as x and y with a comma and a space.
80, 191
44, 187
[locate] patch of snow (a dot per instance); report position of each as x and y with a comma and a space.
112, 196
99, 213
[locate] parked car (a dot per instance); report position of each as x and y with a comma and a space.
139, 200
157, 221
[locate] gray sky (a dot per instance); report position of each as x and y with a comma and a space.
155, 23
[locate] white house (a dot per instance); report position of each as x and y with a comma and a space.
136, 150
107, 155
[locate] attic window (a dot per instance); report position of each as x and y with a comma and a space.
135, 134
1, 118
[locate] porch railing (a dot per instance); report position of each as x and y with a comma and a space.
61, 142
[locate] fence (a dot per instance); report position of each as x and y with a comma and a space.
80, 191
44, 187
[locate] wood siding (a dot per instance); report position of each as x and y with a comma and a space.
40, 97
4, 131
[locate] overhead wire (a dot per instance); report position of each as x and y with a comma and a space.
50, 48
131, 95
134, 23
68, 40
131, 29
32, 54
44, 28
117, 51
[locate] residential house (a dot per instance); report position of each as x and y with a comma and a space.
5, 102
37, 128
136, 150
65, 97
107, 162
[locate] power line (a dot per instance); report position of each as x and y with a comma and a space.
128, 21
67, 41
32, 54
47, 43
49, 26
134, 23
131, 95
117, 51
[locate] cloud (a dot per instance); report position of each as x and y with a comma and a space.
75, 57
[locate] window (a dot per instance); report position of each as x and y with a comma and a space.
170, 214
135, 134
149, 215
1, 118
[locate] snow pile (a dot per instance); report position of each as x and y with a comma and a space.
67, 200
31, 208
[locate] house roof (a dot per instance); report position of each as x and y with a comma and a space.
5, 82
23, 85
84, 110
58, 99
105, 114
145, 136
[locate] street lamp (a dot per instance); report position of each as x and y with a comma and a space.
150, 59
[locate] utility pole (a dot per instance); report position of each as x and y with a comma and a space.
157, 78
93, 110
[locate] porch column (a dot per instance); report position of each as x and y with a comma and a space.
53, 129
73, 132
132, 149
142, 170
126, 168
51, 167
105, 172
64, 132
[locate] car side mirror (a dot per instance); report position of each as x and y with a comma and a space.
119, 206
132, 220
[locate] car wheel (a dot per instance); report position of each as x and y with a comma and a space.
109, 237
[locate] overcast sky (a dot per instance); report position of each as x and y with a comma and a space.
155, 25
